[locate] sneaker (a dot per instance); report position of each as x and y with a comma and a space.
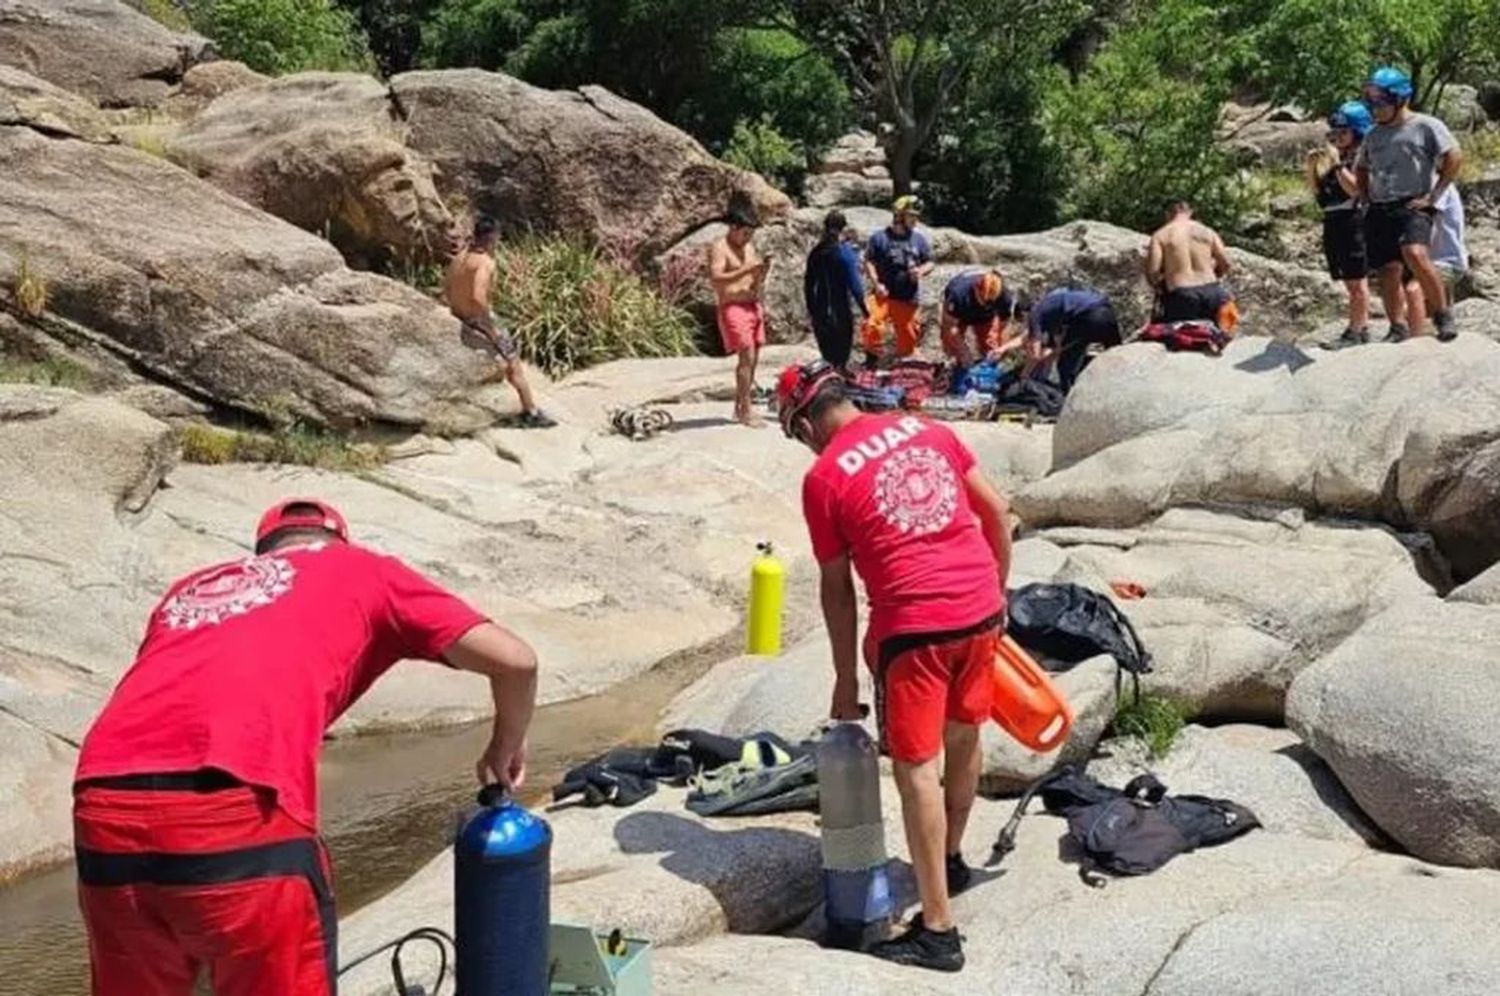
1447, 328
1351, 337
536, 419
959, 874
941, 951
1398, 333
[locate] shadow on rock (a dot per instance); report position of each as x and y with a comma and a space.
1276, 354
1333, 795
749, 870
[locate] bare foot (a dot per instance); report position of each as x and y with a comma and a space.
751, 420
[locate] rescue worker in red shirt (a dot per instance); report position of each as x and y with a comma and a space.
901, 500
195, 801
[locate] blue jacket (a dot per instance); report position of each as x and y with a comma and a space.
832, 281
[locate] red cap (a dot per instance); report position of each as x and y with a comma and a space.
301, 513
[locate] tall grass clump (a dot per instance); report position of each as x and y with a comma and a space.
54, 371
571, 306
297, 444
1155, 720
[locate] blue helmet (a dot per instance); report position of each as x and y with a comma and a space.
1353, 115
1393, 81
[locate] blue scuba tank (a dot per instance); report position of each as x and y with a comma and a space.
501, 914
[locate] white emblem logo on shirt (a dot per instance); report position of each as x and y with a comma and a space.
229, 591
916, 491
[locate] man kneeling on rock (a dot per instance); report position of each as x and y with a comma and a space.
195, 807
1184, 264
902, 500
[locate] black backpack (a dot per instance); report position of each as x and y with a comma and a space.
1068, 623
1129, 831
1031, 394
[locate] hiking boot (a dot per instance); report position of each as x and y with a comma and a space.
959, 874
1447, 328
1351, 337
941, 951
536, 419
1398, 333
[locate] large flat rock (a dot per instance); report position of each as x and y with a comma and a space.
1409, 436
1237, 607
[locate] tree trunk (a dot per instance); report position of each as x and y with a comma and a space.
900, 157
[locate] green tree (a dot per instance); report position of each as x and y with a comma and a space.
907, 59
756, 145
282, 36
1139, 126
474, 33
1438, 43
393, 29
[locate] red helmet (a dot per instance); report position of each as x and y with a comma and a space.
798, 385
300, 513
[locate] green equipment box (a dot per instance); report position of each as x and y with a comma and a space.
584, 963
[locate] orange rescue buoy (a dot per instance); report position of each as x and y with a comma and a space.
1028, 705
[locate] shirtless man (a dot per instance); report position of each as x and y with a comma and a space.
738, 273
467, 288
1185, 263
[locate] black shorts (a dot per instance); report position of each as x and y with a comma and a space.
1344, 245
1193, 304
1388, 227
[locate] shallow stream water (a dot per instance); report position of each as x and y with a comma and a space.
388, 801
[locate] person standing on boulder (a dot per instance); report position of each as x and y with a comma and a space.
1184, 263
972, 319
738, 275
832, 289
468, 288
195, 808
1330, 174
897, 257
902, 500
1449, 254
1405, 166
1063, 325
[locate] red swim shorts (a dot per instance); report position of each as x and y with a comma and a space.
923, 681
742, 325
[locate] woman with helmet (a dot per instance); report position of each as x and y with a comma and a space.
1405, 165
1330, 173
973, 316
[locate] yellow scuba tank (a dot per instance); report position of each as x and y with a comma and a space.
767, 587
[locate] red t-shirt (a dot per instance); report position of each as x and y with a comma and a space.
246, 664
889, 492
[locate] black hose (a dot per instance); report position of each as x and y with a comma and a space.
441, 939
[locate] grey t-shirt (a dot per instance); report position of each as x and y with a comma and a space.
1402, 159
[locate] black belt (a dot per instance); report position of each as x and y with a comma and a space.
202, 780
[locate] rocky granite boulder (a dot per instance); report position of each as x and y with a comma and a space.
582, 162
1409, 436
104, 50
191, 286
1236, 608
35, 103
327, 152
1400, 711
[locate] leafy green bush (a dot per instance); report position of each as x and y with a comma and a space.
1155, 720
283, 36
570, 307
1139, 127
298, 444
760, 148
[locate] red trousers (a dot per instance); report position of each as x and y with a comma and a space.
174, 883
